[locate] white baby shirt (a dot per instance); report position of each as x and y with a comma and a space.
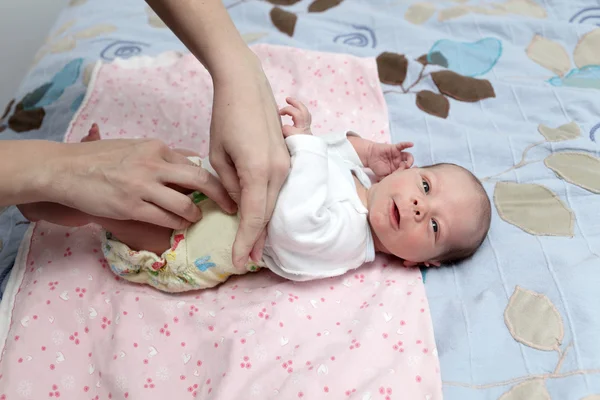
319, 226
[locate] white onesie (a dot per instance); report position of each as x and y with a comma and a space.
320, 227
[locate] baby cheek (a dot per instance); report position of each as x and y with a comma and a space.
411, 239
414, 246
377, 219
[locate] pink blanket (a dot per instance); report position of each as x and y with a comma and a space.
73, 330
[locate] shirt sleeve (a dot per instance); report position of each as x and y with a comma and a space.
339, 144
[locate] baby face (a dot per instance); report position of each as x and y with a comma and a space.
419, 214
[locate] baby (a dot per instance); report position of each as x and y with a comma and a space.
329, 217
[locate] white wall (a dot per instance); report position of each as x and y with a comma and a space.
24, 25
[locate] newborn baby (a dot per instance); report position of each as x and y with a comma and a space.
329, 217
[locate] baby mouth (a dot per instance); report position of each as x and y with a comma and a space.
395, 215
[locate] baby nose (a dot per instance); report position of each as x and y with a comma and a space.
420, 209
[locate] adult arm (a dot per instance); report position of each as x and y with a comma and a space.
246, 144
119, 179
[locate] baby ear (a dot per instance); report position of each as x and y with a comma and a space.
432, 263
411, 264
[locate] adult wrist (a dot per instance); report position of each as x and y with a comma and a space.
244, 66
50, 177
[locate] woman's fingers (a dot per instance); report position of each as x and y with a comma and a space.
155, 215
253, 218
227, 173
199, 179
277, 180
179, 156
193, 177
173, 202
257, 251
186, 152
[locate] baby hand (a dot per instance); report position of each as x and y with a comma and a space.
300, 116
383, 158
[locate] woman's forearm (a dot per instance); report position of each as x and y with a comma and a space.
244, 116
26, 170
205, 28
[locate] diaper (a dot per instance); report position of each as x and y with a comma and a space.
199, 256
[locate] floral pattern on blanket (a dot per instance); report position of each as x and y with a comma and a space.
466, 58
29, 113
393, 68
65, 38
477, 39
259, 336
534, 321
531, 317
553, 56
536, 209
421, 12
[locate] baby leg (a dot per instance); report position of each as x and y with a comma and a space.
54, 213
138, 235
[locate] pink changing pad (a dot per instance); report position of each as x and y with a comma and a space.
75, 331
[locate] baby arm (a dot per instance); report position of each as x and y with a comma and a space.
300, 117
382, 158
312, 233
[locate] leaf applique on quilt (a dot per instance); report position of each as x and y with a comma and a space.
533, 389
283, 20
533, 208
392, 68
533, 320
433, 103
554, 57
580, 169
564, 132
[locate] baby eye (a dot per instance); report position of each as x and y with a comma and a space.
435, 226
425, 186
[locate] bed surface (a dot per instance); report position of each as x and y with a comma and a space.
522, 111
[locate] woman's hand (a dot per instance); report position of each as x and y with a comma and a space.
129, 179
247, 148
248, 153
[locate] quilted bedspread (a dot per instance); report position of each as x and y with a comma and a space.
509, 89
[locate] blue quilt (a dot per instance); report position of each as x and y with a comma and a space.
510, 89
